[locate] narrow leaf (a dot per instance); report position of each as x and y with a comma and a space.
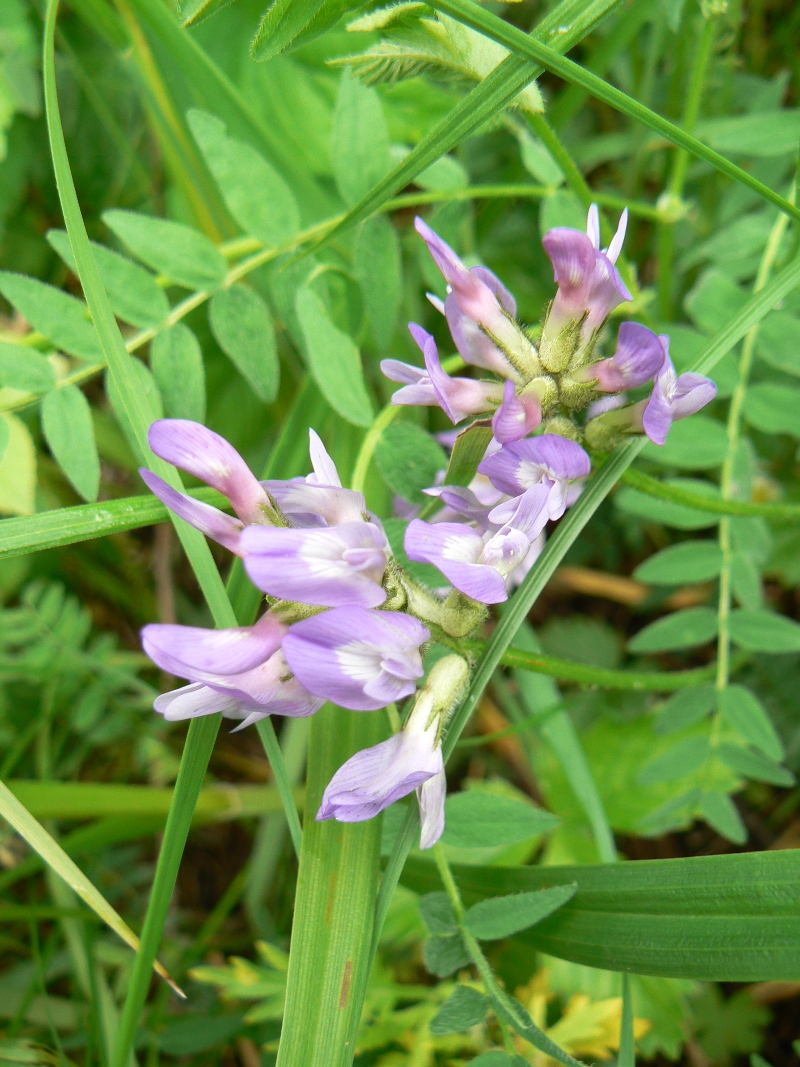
468, 451
378, 266
721, 813
682, 629
257, 196
692, 561
177, 365
242, 325
764, 631
334, 361
685, 709
68, 430
24, 368
489, 920
747, 716
477, 819
360, 139
184, 255
752, 764
683, 758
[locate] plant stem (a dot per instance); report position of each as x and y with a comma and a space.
266, 731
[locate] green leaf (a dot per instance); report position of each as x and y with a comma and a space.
360, 139
745, 713
773, 408
766, 133
699, 443
177, 365
681, 629
751, 764
334, 361
242, 325
62, 318
17, 470
722, 815
561, 208
712, 918
68, 430
537, 160
691, 561
477, 819
764, 631
746, 580
193, 11
635, 502
378, 270
490, 920
409, 460
714, 300
284, 21
437, 914
445, 954
5, 436
184, 255
149, 394
24, 368
256, 194
683, 758
685, 709
778, 342
495, 1058
132, 291
468, 451
466, 1007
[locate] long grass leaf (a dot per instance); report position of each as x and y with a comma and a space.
521, 44
17, 816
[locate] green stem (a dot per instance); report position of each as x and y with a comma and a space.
266, 731
645, 483
680, 165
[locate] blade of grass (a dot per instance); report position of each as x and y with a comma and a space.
266, 731
627, 1046
17, 816
521, 44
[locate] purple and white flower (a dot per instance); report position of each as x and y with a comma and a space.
240, 673
674, 397
637, 360
475, 563
357, 658
517, 416
550, 461
331, 566
480, 312
457, 397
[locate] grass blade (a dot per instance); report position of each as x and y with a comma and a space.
266, 731
523, 45
15, 813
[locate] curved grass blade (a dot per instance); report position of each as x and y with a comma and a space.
17, 815
521, 44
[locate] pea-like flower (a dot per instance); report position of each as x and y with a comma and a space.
550, 461
357, 658
637, 360
674, 397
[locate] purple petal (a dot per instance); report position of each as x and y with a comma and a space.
637, 360
207, 519
573, 257
306, 504
491, 281
376, 777
516, 417
206, 455
458, 397
473, 344
325, 472
191, 701
527, 513
475, 297
607, 291
431, 796
183, 650
359, 659
521, 464
692, 392
332, 567
456, 550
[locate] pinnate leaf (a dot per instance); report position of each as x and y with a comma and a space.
256, 194
764, 631
63, 319
437, 913
67, 426
177, 365
681, 629
334, 360
699, 443
409, 460
773, 408
685, 708
466, 1007
360, 140
184, 255
683, 758
377, 264
752, 764
499, 917
242, 325
445, 954
721, 813
133, 293
24, 368
478, 819
745, 713
692, 561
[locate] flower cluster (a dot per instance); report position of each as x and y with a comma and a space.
344, 622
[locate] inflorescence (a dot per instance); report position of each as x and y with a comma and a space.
345, 622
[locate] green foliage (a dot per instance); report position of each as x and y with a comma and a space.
409, 460
177, 365
181, 253
243, 327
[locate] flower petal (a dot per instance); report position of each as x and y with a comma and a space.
325, 472
206, 455
192, 701
183, 650
455, 550
207, 519
431, 796
516, 417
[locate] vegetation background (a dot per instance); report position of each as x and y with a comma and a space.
189, 125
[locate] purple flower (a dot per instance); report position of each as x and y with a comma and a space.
480, 312
517, 416
674, 397
548, 460
457, 397
376, 777
318, 499
637, 360
239, 673
357, 658
331, 566
206, 455
204, 517
478, 564
431, 796
417, 388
